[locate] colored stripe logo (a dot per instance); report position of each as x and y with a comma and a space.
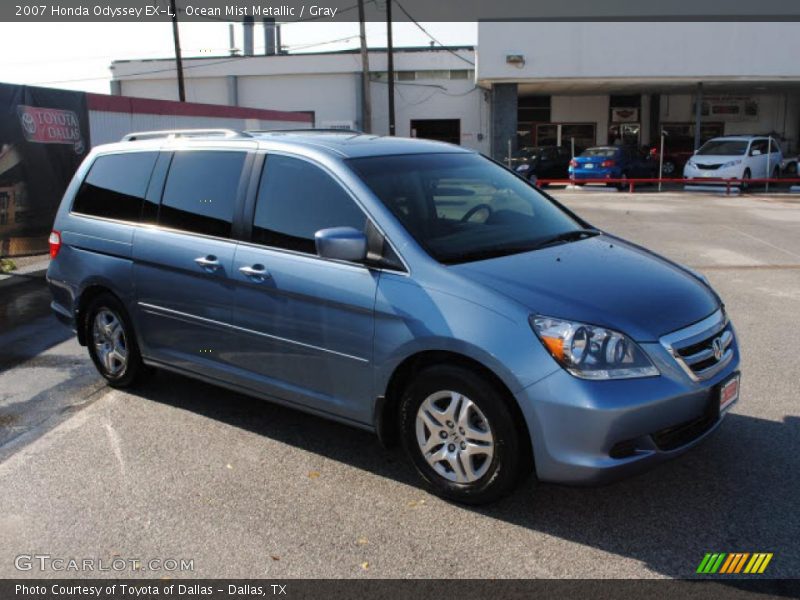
722, 563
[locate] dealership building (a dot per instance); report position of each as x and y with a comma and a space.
524, 84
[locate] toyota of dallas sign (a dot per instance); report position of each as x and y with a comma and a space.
51, 126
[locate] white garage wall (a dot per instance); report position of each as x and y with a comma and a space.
700, 51
332, 97
435, 99
327, 85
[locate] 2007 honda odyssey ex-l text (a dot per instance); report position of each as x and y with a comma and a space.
408, 287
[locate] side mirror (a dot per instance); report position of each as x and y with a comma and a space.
341, 243
755, 152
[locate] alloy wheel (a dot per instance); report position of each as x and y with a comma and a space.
108, 336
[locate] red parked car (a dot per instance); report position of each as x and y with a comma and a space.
677, 150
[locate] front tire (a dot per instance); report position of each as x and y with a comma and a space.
459, 433
746, 176
111, 341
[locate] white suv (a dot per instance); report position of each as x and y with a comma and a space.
735, 157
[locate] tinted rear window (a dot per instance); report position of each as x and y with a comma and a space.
200, 192
604, 152
115, 186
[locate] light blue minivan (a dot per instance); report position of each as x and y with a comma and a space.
408, 287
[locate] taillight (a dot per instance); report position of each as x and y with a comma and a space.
573, 163
55, 243
607, 163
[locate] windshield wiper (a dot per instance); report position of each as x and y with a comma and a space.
497, 251
568, 236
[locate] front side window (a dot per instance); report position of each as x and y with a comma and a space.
295, 200
200, 192
115, 186
463, 207
760, 146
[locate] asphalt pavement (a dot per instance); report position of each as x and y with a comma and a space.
183, 470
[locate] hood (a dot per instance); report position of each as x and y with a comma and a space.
602, 281
713, 159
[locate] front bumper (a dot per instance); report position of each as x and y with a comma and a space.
588, 432
692, 172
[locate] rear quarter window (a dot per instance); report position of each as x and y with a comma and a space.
115, 186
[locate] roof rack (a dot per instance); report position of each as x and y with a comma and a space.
175, 133
308, 130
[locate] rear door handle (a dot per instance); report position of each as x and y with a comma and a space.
255, 273
209, 263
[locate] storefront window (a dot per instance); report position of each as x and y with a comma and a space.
562, 134
686, 130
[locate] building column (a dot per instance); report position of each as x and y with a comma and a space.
698, 115
504, 119
232, 82
655, 118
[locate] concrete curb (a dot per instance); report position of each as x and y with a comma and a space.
34, 269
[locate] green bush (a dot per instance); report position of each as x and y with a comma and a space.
7, 265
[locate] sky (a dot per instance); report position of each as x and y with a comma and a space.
77, 56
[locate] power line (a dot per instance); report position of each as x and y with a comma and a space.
425, 31
304, 46
186, 68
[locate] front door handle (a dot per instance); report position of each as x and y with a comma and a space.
209, 263
256, 272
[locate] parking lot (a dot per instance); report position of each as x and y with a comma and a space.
182, 470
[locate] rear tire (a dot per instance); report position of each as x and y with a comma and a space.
668, 169
459, 433
111, 341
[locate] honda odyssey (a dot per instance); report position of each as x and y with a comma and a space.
407, 287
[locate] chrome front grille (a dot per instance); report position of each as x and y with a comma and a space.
703, 349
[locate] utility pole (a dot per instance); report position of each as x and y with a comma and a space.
366, 99
178, 61
390, 65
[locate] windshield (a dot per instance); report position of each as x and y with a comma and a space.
604, 152
463, 207
723, 148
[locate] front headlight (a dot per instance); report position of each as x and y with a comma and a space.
523, 168
592, 352
731, 163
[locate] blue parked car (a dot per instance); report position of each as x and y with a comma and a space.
407, 287
612, 162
